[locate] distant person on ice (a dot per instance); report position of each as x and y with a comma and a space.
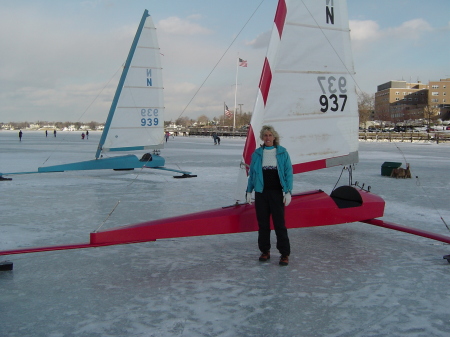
216, 138
20, 135
167, 136
82, 135
87, 134
46, 133
54, 133
271, 177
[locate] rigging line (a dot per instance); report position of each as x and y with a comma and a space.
137, 175
350, 175
57, 146
118, 201
139, 172
101, 91
337, 182
431, 203
107, 217
349, 168
220, 59
424, 192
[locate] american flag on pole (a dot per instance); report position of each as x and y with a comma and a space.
228, 113
242, 63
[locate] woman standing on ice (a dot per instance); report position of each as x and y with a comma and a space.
271, 176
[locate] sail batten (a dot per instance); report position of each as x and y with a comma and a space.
143, 87
139, 107
306, 90
125, 128
316, 27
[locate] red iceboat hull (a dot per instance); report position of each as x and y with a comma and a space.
309, 209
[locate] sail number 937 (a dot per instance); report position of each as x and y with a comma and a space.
334, 93
149, 117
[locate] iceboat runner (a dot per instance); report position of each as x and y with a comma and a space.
307, 93
136, 118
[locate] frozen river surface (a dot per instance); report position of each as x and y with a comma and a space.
343, 280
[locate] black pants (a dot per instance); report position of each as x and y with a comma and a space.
267, 203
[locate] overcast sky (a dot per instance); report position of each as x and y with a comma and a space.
61, 60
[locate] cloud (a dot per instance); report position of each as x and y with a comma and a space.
261, 41
382, 54
412, 29
364, 30
369, 30
96, 3
177, 26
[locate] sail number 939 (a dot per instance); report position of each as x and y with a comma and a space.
149, 117
334, 93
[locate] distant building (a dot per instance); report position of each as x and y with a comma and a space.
34, 126
397, 101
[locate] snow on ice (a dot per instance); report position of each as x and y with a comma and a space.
344, 280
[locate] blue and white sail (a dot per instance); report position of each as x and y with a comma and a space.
136, 116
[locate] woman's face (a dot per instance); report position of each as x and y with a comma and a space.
268, 138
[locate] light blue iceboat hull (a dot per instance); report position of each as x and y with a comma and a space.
121, 163
127, 162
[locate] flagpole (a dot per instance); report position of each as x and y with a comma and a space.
235, 95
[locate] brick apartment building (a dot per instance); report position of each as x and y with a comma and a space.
397, 101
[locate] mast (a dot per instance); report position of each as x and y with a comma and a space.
235, 95
120, 85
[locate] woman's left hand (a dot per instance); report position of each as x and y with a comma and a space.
287, 199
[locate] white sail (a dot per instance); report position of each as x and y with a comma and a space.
137, 115
307, 92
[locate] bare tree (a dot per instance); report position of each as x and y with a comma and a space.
366, 106
183, 121
243, 119
430, 112
203, 120
92, 125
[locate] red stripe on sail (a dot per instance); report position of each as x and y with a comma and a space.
250, 146
310, 166
264, 82
320, 164
280, 16
266, 78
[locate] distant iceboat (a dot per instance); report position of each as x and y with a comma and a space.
136, 117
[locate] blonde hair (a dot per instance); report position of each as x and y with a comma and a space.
276, 140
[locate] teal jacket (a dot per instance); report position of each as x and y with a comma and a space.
255, 177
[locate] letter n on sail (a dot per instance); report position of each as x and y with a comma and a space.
149, 77
330, 12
